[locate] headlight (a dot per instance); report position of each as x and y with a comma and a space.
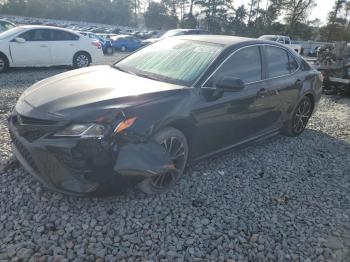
82, 130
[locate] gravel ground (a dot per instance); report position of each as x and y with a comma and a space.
283, 199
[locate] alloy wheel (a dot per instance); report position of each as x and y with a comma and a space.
176, 150
82, 61
302, 116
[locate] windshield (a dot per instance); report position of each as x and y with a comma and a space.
174, 61
10, 32
269, 37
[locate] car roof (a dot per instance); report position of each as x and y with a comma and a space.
221, 39
46, 27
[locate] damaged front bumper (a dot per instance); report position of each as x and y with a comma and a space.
86, 166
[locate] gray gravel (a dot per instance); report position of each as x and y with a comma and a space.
282, 199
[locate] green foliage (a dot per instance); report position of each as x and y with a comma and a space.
218, 16
338, 27
157, 17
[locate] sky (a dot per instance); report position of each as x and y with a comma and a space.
320, 11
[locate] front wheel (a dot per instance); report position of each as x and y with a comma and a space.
81, 60
300, 118
175, 143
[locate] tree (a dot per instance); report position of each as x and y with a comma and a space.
237, 24
215, 12
337, 28
157, 17
296, 13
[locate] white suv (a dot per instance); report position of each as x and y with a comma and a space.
37, 46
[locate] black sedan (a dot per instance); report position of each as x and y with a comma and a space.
140, 121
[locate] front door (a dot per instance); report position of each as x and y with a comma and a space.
35, 51
225, 117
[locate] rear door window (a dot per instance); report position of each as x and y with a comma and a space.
59, 35
277, 61
245, 64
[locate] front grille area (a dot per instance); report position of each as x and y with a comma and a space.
24, 152
31, 128
24, 120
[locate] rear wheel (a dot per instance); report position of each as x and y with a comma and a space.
3, 63
175, 144
109, 50
123, 48
81, 60
300, 118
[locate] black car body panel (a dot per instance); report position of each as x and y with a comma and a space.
212, 120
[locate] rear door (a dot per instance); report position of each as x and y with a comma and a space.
284, 81
35, 51
63, 47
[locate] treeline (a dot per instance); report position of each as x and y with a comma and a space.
258, 17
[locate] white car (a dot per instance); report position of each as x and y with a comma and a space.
38, 46
285, 40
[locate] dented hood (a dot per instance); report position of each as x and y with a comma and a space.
94, 87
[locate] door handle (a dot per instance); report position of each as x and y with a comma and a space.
44, 46
263, 92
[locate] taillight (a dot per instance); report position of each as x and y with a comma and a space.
97, 44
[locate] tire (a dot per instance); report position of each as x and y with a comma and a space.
300, 118
4, 64
109, 50
123, 48
81, 60
176, 144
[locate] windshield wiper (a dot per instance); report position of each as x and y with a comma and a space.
147, 76
123, 70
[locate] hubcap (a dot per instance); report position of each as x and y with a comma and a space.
82, 61
176, 150
2, 64
302, 116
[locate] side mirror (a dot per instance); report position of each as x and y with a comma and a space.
20, 40
230, 83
